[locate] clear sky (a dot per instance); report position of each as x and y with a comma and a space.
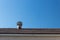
33, 13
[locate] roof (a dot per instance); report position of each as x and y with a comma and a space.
29, 31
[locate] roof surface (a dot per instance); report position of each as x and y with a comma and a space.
29, 31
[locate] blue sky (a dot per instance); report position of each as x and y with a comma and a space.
33, 13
